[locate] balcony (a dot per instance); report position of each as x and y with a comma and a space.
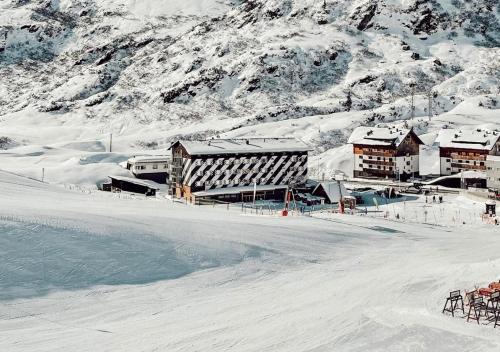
457, 156
379, 162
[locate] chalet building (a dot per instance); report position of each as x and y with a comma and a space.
153, 168
233, 169
466, 150
387, 152
493, 172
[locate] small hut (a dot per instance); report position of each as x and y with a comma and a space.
331, 191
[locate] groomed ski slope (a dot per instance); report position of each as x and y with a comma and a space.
94, 272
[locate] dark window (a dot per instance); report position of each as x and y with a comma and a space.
407, 163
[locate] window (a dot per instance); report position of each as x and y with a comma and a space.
390, 159
165, 166
378, 158
378, 167
448, 169
360, 165
370, 157
408, 163
481, 163
390, 168
448, 160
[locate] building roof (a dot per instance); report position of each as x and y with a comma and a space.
149, 159
479, 139
382, 136
248, 145
145, 183
236, 190
334, 190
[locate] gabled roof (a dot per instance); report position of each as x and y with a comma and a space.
478, 139
334, 190
382, 136
247, 145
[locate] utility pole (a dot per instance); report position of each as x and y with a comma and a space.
412, 101
429, 96
110, 142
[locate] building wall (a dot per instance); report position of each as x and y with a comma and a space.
374, 161
493, 173
387, 161
454, 160
198, 173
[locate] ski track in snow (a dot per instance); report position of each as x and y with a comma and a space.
107, 274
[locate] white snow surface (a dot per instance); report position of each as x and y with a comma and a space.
99, 272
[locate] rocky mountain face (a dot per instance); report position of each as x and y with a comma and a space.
243, 63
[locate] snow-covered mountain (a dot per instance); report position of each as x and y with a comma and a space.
149, 71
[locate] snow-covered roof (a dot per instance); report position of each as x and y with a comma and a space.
384, 136
136, 181
467, 139
470, 174
150, 159
334, 190
236, 190
247, 145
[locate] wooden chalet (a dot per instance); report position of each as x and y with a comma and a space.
466, 150
385, 152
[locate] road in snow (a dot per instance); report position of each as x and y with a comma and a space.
82, 272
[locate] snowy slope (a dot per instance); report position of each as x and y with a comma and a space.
93, 272
151, 71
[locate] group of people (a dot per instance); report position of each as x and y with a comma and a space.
440, 198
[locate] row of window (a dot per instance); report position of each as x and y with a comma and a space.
377, 158
481, 163
231, 182
378, 167
243, 160
243, 171
154, 167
